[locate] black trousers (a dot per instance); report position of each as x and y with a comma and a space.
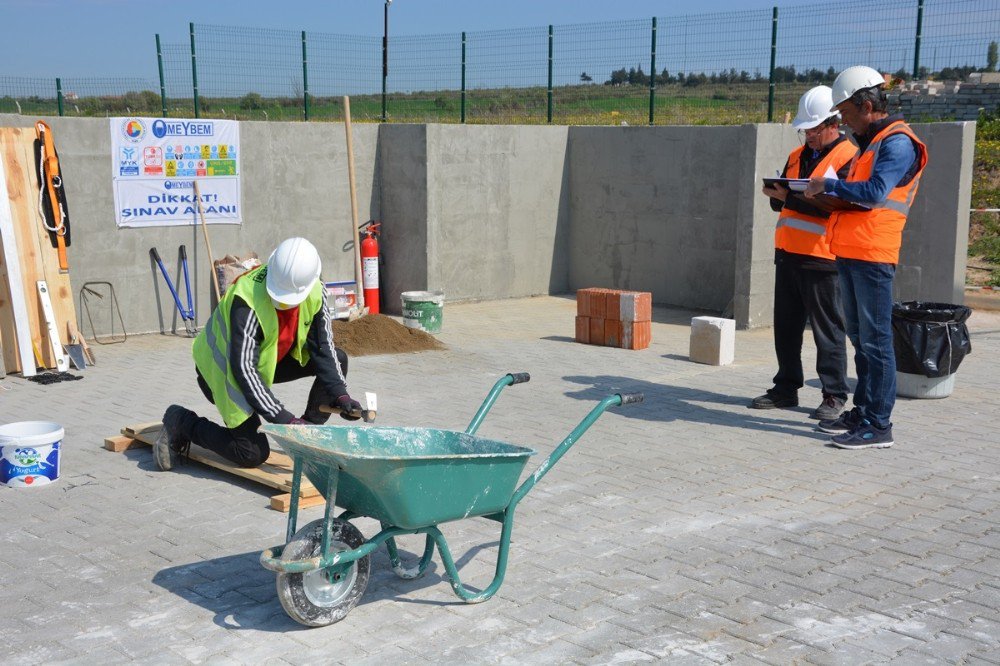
245, 446
802, 294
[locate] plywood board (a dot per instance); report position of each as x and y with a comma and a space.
275, 472
14, 313
38, 259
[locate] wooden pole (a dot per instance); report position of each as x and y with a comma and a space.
358, 277
208, 244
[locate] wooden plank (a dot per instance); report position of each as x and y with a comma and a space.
14, 314
283, 502
39, 260
60, 287
275, 472
119, 443
25, 238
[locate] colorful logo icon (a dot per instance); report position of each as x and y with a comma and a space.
26, 457
133, 129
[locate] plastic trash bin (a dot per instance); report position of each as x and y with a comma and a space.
930, 340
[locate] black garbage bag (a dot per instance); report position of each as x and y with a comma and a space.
930, 339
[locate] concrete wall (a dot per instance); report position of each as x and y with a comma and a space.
486, 212
936, 237
294, 184
655, 209
497, 214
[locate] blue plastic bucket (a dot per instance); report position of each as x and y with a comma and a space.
30, 453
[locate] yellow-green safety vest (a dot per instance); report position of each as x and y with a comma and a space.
211, 347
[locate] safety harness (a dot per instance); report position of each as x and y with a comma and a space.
51, 195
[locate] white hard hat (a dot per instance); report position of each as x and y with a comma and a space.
292, 270
814, 107
853, 79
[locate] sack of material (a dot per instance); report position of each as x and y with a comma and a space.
231, 267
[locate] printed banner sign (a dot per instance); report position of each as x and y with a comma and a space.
155, 162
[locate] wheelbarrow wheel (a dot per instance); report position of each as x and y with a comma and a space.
312, 598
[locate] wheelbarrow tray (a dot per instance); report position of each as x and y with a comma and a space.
406, 477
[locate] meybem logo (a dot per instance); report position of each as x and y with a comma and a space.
177, 184
162, 128
133, 129
26, 457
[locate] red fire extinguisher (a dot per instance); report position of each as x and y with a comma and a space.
369, 264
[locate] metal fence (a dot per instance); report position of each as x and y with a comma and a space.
714, 68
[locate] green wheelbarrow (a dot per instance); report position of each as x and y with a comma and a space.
410, 480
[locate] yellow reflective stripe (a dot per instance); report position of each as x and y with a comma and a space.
802, 225
234, 393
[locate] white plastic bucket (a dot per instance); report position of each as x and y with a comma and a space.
423, 310
30, 453
910, 385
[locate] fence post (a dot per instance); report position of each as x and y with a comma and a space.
463, 77
774, 51
385, 59
305, 79
549, 91
163, 87
652, 75
916, 43
59, 96
194, 73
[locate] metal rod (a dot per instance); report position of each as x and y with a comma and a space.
59, 96
652, 75
463, 77
548, 92
774, 52
916, 42
305, 79
385, 59
194, 73
163, 87
293, 507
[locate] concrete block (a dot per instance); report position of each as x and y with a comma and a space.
713, 340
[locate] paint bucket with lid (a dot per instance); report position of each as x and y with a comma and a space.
29, 453
423, 310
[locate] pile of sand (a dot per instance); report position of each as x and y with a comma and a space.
378, 334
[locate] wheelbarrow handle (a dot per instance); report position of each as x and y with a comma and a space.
507, 380
571, 439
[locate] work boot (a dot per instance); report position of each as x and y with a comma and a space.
774, 400
171, 444
829, 409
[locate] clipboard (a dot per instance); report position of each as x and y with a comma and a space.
793, 184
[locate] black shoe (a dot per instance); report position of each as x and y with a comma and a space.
844, 423
865, 436
773, 400
829, 409
171, 444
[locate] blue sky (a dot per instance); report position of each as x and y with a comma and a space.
110, 38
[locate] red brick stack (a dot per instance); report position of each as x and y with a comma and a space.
614, 318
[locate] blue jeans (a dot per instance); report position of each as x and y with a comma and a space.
866, 288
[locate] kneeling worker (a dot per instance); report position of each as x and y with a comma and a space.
271, 326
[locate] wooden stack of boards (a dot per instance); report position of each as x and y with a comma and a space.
27, 257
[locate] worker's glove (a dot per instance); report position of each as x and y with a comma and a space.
350, 408
297, 421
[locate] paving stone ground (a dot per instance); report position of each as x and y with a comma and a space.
687, 529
